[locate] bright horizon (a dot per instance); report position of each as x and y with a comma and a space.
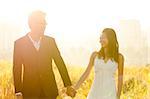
76, 25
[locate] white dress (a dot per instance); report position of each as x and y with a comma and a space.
104, 86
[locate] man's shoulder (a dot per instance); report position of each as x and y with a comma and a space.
20, 40
49, 38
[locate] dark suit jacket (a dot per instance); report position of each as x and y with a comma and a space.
37, 67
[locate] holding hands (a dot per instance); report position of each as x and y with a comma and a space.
71, 91
68, 91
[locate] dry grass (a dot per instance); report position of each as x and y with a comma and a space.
136, 82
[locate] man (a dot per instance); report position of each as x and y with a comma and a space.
32, 63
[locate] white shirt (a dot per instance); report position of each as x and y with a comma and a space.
35, 43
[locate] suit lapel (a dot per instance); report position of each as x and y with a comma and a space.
31, 46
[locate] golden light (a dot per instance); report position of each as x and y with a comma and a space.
74, 24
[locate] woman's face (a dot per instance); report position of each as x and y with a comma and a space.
103, 40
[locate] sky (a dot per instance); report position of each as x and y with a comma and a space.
76, 24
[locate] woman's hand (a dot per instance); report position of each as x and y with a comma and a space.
71, 91
67, 91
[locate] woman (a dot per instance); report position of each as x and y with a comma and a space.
105, 63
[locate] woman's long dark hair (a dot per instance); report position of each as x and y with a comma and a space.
113, 46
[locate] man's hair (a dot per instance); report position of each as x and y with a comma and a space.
35, 15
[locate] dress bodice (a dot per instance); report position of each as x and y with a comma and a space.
103, 86
101, 66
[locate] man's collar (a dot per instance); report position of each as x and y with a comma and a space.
32, 38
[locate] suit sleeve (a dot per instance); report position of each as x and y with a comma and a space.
17, 68
61, 65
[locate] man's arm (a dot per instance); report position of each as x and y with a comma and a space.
61, 65
17, 68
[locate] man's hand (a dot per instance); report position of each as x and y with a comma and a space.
71, 91
19, 95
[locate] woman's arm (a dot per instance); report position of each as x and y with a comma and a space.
87, 71
120, 74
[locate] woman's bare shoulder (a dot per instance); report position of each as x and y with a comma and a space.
94, 54
121, 57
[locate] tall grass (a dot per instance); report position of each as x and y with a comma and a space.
136, 83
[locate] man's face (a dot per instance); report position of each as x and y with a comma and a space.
38, 25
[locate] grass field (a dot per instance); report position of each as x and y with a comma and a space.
136, 82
